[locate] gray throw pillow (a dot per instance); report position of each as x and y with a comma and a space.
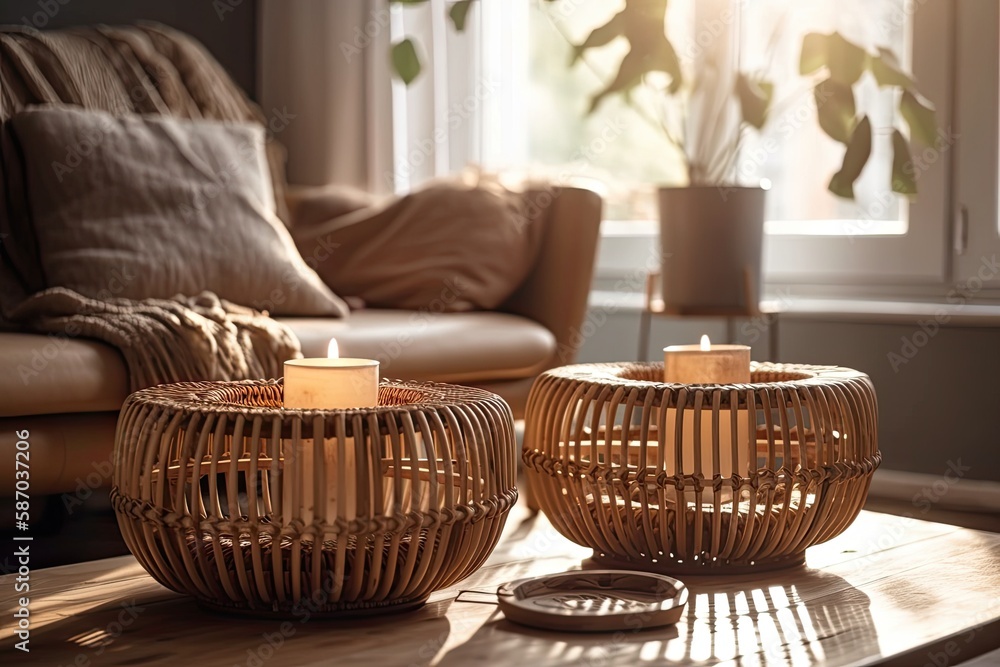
154, 206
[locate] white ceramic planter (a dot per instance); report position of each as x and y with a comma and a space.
711, 239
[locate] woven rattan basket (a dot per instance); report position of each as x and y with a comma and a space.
224, 495
603, 457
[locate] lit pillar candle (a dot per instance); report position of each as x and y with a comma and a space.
708, 364
330, 383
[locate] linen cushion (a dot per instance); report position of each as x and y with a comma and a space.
153, 206
446, 248
147, 68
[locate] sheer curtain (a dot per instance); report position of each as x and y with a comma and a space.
324, 76
327, 65
440, 118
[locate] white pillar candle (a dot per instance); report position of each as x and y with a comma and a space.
707, 364
331, 384
328, 384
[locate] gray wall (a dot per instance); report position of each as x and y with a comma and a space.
227, 27
942, 406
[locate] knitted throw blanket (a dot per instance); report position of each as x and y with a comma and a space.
146, 69
169, 340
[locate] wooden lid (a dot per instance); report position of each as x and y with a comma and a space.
594, 601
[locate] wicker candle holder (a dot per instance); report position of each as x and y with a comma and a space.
603, 455
209, 490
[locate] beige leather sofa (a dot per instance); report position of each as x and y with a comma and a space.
66, 392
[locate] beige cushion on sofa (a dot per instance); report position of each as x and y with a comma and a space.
447, 247
153, 206
58, 374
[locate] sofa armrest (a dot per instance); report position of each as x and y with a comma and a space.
556, 291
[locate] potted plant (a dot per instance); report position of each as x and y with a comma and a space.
711, 229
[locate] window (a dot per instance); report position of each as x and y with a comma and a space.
534, 120
791, 152
624, 146
812, 235
882, 239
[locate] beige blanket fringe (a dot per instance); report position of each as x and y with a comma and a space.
169, 340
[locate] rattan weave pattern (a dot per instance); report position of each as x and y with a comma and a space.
603, 457
223, 494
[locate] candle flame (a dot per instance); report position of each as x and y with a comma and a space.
706, 344
333, 351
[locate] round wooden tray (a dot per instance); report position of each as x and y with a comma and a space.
594, 601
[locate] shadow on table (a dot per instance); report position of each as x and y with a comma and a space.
793, 617
176, 631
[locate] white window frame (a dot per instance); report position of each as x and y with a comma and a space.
435, 122
921, 256
977, 172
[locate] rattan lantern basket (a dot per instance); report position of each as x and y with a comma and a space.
611, 460
223, 494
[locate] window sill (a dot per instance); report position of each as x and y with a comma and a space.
628, 249
896, 312
852, 310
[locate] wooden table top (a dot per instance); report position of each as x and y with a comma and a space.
891, 590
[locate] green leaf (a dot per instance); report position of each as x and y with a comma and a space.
919, 115
835, 109
755, 99
904, 181
405, 60
629, 76
637, 63
459, 12
855, 157
641, 22
887, 71
845, 59
813, 53
665, 60
602, 36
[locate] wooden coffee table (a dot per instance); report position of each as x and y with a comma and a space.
891, 590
